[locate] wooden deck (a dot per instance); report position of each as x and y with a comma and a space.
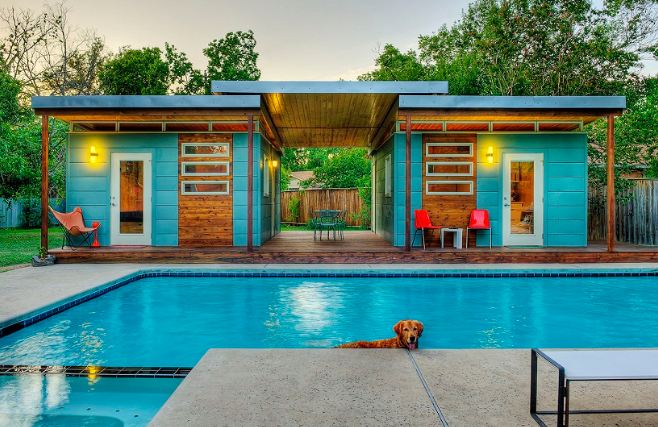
359, 247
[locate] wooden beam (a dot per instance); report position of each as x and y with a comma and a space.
250, 182
586, 116
266, 120
44, 182
612, 229
407, 183
384, 128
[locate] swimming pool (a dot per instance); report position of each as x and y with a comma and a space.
172, 321
58, 400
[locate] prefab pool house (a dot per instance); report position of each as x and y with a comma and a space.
204, 171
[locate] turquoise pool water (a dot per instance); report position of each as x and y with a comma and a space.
172, 321
55, 400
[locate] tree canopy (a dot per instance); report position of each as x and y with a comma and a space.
135, 72
530, 47
346, 168
233, 57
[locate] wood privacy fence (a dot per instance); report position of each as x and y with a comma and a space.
24, 213
313, 199
637, 218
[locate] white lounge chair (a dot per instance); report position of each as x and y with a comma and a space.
591, 365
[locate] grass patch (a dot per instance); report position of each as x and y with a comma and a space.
18, 245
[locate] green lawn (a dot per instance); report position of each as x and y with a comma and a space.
18, 245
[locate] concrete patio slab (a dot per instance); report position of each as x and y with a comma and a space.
300, 387
492, 388
27, 291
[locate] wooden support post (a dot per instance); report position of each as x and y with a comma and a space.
612, 226
407, 188
44, 182
250, 182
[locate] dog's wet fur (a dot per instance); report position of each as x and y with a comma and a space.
407, 333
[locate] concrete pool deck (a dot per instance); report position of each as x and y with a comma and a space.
383, 387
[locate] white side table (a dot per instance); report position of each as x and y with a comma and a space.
457, 241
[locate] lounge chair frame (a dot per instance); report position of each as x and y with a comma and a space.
563, 387
86, 236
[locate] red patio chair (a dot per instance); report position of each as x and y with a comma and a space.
479, 221
423, 223
73, 225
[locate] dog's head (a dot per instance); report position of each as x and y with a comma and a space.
409, 332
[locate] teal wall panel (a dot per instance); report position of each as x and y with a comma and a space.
262, 206
88, 185
565, 183
240, 153
399, 182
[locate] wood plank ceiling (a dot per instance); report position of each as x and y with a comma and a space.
328, 120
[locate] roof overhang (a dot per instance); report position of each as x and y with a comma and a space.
475, 112
327, 88
597, 103
143, 102
329, 114
146, 107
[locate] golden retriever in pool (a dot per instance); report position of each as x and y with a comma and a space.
407, 333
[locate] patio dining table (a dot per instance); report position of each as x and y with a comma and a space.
329, 220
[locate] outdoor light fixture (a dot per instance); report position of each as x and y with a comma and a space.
93, 154
275, 163
490, 154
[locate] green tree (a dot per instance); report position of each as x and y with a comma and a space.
10, 88
302, 159
346, 168
183, 78
135, 72
530, 47
636, 137
233, 57
395, 65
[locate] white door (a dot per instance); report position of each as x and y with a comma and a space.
130, 199
523, 199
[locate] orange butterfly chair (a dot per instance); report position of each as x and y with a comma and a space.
423, 223
479, 221
73, 225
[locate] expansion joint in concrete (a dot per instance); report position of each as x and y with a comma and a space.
430, 395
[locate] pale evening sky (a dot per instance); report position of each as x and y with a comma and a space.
297, 39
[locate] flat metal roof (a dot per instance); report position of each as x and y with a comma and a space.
323, 87
117, 102
513, 102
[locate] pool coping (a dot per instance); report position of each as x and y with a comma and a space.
21, 321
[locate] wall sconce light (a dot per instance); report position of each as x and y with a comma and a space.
93, 154
274, 163
490, 154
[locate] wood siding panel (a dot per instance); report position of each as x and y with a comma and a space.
205, 220
450, 210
